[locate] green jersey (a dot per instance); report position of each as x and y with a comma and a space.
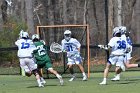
41, 55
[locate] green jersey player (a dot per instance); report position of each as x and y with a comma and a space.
42, 58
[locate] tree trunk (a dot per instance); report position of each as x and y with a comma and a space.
29, 12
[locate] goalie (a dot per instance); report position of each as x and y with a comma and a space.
72, 47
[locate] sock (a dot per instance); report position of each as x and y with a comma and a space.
84, 74
138, 65
38, 81
104, 79
41, 78
58, 76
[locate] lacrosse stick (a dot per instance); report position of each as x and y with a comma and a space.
103, 47
55, 48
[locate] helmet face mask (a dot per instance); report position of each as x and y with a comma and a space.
35, 37
67, 35
123, 29
24, 35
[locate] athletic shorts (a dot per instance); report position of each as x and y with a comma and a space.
44, 63
28, 64
74, 60
118, 61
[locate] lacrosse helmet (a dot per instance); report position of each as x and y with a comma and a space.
116, 31
35, 37
122, 29
24, 35
67, 35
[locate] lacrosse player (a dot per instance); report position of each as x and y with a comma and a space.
72, 47
25, 48
42, 58
127, 58
118, 49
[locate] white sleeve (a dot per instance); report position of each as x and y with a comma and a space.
77, 43
17, 42
111, 42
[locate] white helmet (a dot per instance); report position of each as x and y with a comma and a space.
122, 29
24, 34
35, 36
116, 31
67, 35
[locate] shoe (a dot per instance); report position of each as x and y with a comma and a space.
103, 83
43, 82
72, 78
40, 85
84, 78
61, 81
116, 78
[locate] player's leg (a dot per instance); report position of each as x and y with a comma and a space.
25, 67
48, 66
83, 72
40, 73
106, 71
33, 67
118, 71
70, 64
120, 66
71, 72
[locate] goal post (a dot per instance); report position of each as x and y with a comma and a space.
54, 33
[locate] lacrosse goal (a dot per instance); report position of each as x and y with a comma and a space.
55, 33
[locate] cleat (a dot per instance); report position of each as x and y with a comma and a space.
43, 82
115, 79
103, 83
61, 81
84, 78
40, 85
72, 78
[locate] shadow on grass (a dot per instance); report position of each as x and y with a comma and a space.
44, 86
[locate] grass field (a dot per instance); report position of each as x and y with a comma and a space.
129, 83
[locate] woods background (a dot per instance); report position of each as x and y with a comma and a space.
27, 14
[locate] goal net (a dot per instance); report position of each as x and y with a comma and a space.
55, 33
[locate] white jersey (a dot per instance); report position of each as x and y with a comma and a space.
118, 45
129, 45
25, 48
71, 46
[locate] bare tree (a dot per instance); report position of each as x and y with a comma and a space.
4, 11
29, 12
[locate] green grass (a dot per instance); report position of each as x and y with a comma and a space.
129, 83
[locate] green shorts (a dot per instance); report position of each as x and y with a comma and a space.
46, 62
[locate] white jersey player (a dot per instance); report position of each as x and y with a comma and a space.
25, 48
118, 48
127, 57
72, 47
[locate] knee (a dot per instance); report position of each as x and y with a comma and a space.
28, 74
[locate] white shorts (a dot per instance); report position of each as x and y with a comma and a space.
28, 64
118, 61
72, 60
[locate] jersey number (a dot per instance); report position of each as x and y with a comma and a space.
69, 48
122, 44
41, 50
25, 45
